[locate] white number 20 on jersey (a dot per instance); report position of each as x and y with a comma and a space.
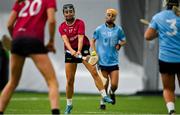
32, 11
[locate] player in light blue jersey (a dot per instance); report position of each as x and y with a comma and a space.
107, 41
166, 26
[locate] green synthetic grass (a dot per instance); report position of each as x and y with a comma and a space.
38, 103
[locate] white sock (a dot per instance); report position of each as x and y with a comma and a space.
170, 106
102, 102
69, 101
103, 93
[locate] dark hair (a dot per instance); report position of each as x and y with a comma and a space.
68, 6
171, 3
19, 1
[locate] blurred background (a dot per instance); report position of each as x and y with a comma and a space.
138, 59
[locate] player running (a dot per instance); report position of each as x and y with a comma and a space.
107, 40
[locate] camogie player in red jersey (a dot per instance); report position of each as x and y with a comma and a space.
26, 26
73, 34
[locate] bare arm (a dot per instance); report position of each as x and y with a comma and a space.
51, 23
52, 26
93, 41
11, 22
150, 34
80, 43
122, 43
68, 45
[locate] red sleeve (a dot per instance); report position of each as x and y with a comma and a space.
81, 30
61, 30
51, 4
16, 7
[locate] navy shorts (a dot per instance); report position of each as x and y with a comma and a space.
26, 46
108, 68
171, 68
71, 59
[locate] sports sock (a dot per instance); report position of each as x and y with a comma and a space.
69, 101
103, 93
102, 102
55, 111
170, 106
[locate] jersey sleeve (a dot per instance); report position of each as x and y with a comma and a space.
121, 34
81, 29
95, 34
16, 7
51, 4
153, 23
61, 30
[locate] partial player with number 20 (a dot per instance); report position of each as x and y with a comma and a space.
26, 26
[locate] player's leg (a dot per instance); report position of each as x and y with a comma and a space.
114, 76
92, 69
70, 69
44, 65
168, 81
94, 73
16, 66
168, 72
98, 81
104, 76
70, 76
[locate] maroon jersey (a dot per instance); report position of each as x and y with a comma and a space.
72, 32
31, 18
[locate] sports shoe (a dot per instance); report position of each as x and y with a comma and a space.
113, 98
102, 106
172, 112
107, 99
68, 109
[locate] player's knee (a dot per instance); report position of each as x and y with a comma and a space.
53, 82
168, 86
70, 82
94, 72
54, 85
169, 89
11, 85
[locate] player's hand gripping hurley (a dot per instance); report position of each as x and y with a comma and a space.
91, 59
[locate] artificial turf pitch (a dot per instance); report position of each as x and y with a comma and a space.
38, 103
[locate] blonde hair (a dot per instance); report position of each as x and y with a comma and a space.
112, 11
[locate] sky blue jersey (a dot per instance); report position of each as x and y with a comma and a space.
167, 25
106, 40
